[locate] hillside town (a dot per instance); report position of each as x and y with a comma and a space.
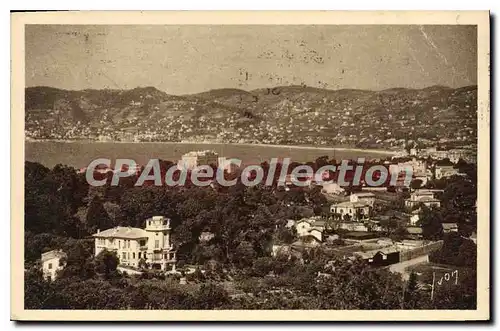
297, 115
256, 247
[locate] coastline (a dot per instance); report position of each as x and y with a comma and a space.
306, 147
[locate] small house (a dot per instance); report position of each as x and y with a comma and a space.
52, 262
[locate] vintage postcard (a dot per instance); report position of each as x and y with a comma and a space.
251, 166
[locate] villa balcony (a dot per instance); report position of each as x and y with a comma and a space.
164, 227
161, 259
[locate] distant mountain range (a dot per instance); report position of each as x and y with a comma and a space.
279, 115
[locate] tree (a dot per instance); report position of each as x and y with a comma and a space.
79, 263
412, 295
286, 235
97, 217
142, 263
431, 222
399, 233
457, 251
244, 254
106, 263
39, 293
390, 225
262, 266
210, 296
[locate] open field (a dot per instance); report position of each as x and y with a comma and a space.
80, 154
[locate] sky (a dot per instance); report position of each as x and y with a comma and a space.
185, 59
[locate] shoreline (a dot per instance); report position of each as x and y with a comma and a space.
353, 149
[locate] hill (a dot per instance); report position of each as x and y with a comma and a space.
279, 115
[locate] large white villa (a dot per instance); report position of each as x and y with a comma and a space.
151, 244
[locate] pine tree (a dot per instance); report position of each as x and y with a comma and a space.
97, 217
412, 294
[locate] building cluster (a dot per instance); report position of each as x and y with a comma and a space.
193, 159
365, 229
356, 119
135, 247
467, 153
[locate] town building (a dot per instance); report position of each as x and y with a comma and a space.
355, 210
313, 226
415, 232
364, 197
133, 245
52, 262
332, 189
191, 160
380, 257
424, 197
206, 236
415, 217
352, 226
444, 171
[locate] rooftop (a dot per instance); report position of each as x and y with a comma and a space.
414, 230
122, 232
423, 199
364, 195
372, 253
351, 204
53, 254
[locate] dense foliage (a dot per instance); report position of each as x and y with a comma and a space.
62, 211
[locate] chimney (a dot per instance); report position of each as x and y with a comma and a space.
98, 230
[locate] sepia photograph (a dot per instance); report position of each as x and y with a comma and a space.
250, 166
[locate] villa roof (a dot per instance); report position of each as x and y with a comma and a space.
309, 220
122, 232
351, 204
427, 199
53, 254
414, 230
424, 198
364, 194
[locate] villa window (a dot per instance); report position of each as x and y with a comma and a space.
124, 255
157, 244
133, 255
50, 265
139, 255
143, 242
